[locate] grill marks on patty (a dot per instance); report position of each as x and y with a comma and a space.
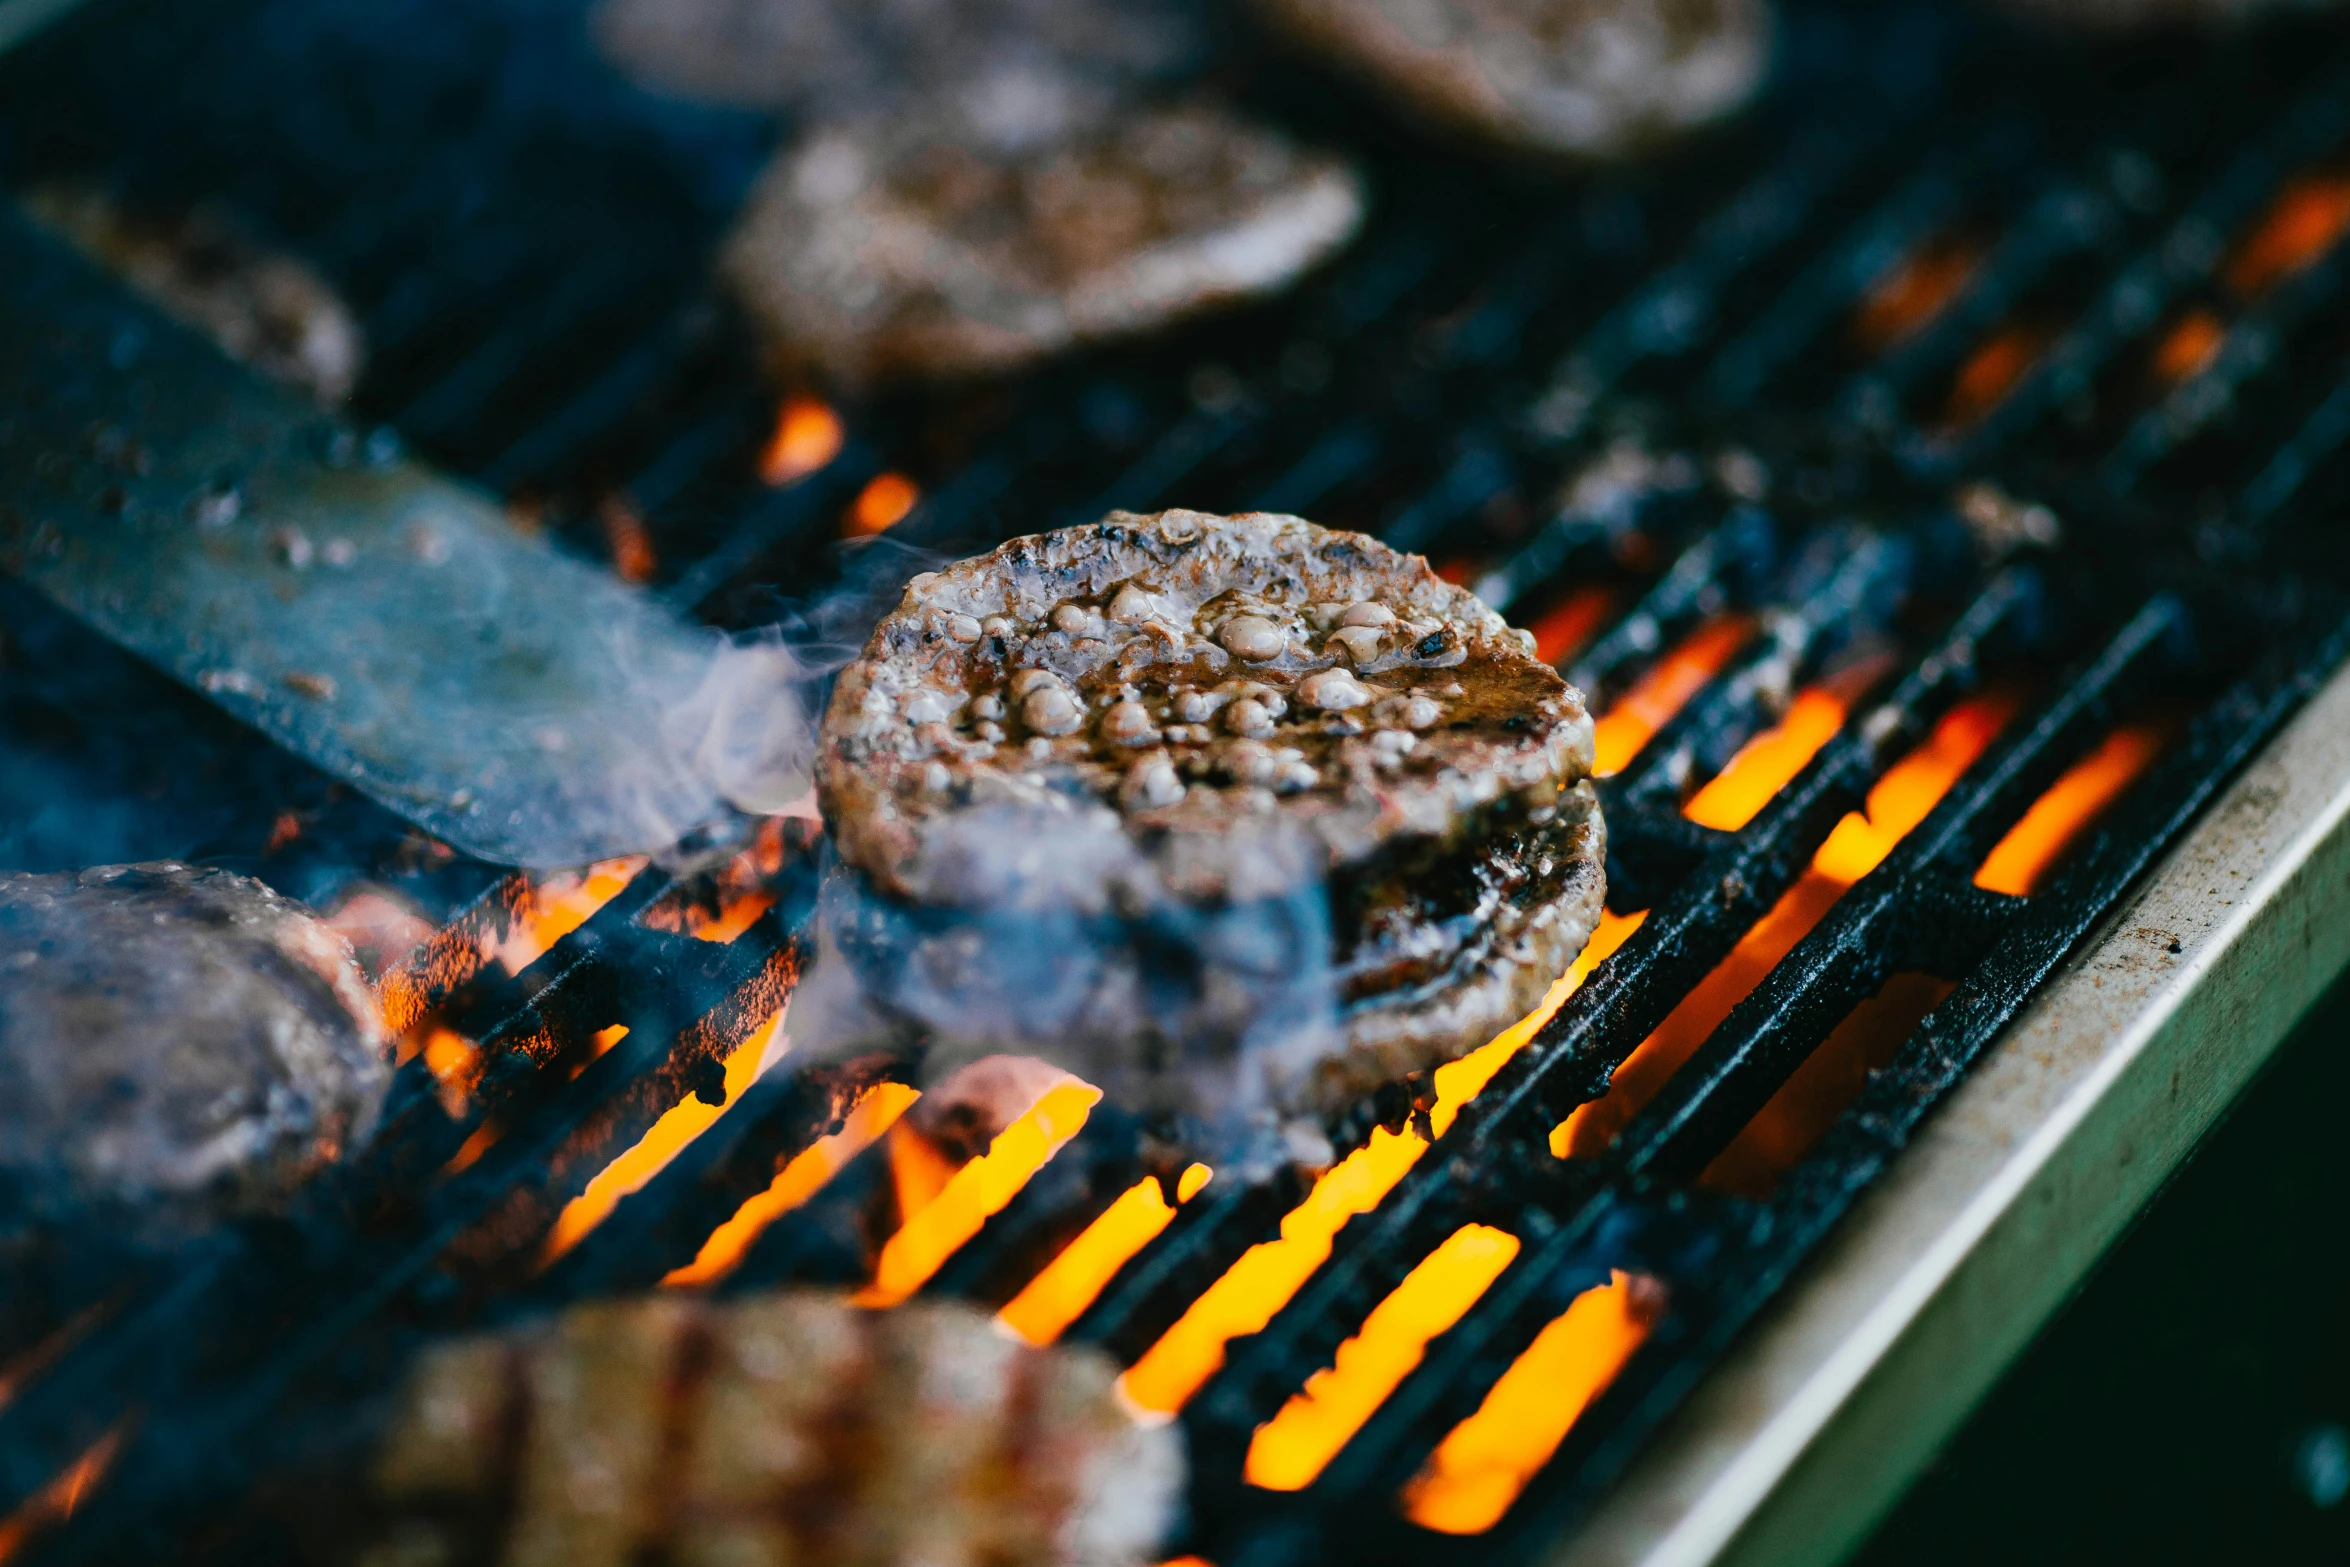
788, 1428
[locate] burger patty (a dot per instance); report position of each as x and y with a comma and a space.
777, 1429
1580, 78
264, 308
1447, 956
176, 1044
933, 246
1078, 743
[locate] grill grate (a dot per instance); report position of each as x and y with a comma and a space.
525, 246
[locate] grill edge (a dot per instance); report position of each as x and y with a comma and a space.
1807, 1432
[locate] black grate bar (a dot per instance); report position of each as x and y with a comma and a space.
2186, 256
1878, 926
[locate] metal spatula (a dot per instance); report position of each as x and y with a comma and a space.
378, 619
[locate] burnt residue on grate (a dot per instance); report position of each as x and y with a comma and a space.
1976, 396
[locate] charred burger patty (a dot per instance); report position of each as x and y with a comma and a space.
1588, 79
176, 1043
1163, 722
777, 1429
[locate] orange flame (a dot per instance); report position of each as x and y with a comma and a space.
1561, 631
1485, 1461
600, 1042
917, 1169
1665, 689
2309, 215
1914, 291
807, 436
55, 1502
21, 1370
1058, 1296
1269, 1274
1819, 1091
453, 1060
484, 1138
800, 1179
1984, 381
737, 915
631, 545
663, 1141
977, 1192
2188, 346
735, 895
2070, 807
1297, 1444
560, 904
1899, 801
881, 505
1765, 764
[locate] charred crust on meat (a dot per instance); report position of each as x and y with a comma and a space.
1595, 80
178, 1043
1103, 630
789, 1426
913, 249
1191, 687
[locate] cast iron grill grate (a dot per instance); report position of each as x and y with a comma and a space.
1780, 412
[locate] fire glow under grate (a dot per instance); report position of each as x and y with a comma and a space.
1920, 483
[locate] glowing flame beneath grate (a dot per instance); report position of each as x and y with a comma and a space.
881, 505
977, 1192
662, 1142
1267, 1275
559, 905
1991, 372
629, 541
1297, 1444
807, 436
2069, 808
2188, 346
1486, 1460
1058, 1295
1665, 689
800, 1179
57, 1501
1765, 764
453, 1060
1899, 801
1561, 632
1817, 1093
2307, 219
1914, 291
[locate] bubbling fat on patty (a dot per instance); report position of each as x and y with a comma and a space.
1237, 817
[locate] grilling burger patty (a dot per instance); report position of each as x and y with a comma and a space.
931, 246
264, 308
176, 1044
1579, 78
1150, 731
776, 1429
